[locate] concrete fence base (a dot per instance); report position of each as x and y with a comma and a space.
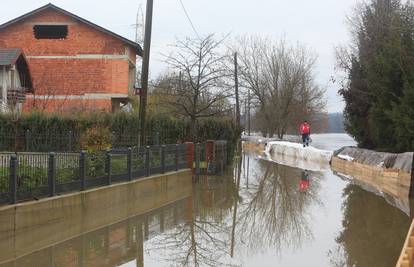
30, 226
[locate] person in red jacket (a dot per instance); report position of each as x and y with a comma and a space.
305, 132
304, 181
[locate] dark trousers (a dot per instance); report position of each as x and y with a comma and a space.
305, 139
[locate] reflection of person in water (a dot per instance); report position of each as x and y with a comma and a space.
304, 181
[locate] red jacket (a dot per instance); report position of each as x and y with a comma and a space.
304, 128
304, 185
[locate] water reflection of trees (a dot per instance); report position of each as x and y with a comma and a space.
373, 238
228, 215
111, 245
274, 213
203, 240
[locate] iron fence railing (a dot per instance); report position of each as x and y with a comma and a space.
4, 175
25, 176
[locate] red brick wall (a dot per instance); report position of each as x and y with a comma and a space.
79, 76
81, 39
70, 76
210, 150
190, 155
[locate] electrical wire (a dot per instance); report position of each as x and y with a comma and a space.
189, 19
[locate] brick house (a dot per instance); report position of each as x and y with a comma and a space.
74, 64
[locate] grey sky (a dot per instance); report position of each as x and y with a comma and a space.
319, 24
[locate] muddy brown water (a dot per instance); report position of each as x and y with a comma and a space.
258, 214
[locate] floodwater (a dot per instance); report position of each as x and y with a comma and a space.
259, 214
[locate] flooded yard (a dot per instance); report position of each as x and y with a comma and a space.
259, 214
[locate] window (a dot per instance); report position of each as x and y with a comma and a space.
50, 31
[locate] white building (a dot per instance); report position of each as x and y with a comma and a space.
15, 79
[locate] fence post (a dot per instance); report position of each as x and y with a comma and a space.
82, 169
109, 166
163, 159
129, 163
147, 160
189, 155
27, 140
176, 157
52, 174
113, 138
226, 157
197, 159
222, 159
223, 153
70, 140
13, 179
157, 138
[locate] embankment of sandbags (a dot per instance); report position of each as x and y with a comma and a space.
295, 155
390, 173
387, 172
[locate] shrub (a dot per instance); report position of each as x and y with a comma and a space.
96, 139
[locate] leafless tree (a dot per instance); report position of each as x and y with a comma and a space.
274, 213
203, 239
201, 88
281, 78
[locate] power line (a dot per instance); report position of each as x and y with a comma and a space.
189, 19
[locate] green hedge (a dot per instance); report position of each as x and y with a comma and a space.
57, 132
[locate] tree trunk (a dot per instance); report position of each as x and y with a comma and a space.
194, 129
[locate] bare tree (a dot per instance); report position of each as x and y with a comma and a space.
281, 78
201, 89
273, 213
203, 239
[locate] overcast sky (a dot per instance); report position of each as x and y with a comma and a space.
319, 24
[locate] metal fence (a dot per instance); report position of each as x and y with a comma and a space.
26, 176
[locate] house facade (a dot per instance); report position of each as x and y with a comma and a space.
74, 64
15, 80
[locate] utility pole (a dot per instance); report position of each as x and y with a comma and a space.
236, 82
145, 70
139, 26
139, 39
248, 112
245, 117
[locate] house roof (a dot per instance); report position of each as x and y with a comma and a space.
58, 9
9, 56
